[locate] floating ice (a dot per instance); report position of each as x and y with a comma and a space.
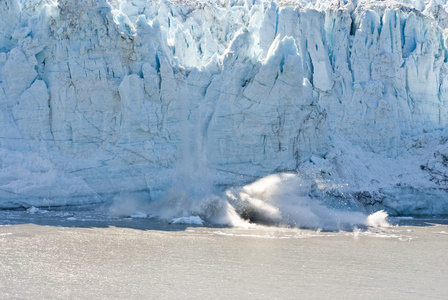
34, 210
192, 220
139, 214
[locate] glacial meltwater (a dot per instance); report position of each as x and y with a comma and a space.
85, 255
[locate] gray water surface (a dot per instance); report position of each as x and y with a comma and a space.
73, 256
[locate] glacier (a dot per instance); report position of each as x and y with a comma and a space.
344, 102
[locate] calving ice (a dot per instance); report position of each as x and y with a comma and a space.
189, 105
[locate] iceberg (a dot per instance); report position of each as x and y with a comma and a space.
101, 98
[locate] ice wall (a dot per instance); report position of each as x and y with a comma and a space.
103, 97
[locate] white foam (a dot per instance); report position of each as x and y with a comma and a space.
209, 207
378, 219
284, 199
281, 200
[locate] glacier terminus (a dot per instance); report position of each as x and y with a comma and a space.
280, 111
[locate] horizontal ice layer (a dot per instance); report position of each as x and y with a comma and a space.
125, 96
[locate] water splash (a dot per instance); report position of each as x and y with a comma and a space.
192, 191
279, 200
283, 199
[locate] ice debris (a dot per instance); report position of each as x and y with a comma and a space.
192, 220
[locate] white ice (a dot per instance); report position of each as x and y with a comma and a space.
175, 102
192, 220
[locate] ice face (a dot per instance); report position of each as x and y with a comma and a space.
107, 97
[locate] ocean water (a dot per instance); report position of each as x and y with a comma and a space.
83, 255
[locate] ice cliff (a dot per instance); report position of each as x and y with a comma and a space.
142, 96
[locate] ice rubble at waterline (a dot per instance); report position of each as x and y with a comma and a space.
279, 199
107, 98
